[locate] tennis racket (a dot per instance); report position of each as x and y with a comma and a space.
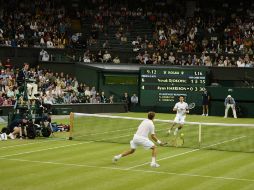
164, 144
191, 105
177, 141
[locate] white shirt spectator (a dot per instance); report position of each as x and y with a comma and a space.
50, 44
1, 33
87, 92
42, 42
116, 60
33, 26
171, 58
86, 59
44, 55
106, 56
48, 100
240, 63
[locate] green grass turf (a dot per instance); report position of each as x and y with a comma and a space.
55, 163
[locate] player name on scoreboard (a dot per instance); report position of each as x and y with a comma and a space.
174, 88
165, 85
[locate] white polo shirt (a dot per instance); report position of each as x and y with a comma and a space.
145, 128
181, 107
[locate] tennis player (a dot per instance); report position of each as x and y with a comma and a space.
140, 138
181, 108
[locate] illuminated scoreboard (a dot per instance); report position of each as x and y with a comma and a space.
163, 86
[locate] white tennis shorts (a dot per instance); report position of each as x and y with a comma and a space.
180, 119
141, 141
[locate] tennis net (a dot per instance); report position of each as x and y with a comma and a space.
120, 129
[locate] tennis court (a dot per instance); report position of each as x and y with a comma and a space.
224, 160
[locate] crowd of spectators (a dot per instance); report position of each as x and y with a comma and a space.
53, 88
203, 59
34, 24
210, 34
225, 29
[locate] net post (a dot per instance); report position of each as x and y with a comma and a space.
199, 134
71, 125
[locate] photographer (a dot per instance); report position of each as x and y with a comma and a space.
16, 128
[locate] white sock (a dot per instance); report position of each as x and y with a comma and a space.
119, 156
153, 159
176, 130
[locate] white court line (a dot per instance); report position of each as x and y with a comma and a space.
18, 145
132, 170
187, 152
52, 148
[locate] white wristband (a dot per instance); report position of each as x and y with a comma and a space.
158, 141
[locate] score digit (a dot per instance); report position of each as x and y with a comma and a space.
152, 71
198, 73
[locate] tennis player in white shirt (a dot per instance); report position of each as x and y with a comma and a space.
140, 138
181, 109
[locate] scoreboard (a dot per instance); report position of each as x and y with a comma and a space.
163, 86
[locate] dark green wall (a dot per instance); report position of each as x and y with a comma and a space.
87, 75
68, 68
119, 89
243, 95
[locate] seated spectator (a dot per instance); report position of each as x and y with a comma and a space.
87, 95
50, 43
116, 60
44, 55
171, 58
99, 57
111, 99
103, 97
1, 98
93, 95
106, 57
8, 63
86, 59
98, 97
48, 101
10, 92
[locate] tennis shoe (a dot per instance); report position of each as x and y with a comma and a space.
115, 159
154, 165
11, 136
